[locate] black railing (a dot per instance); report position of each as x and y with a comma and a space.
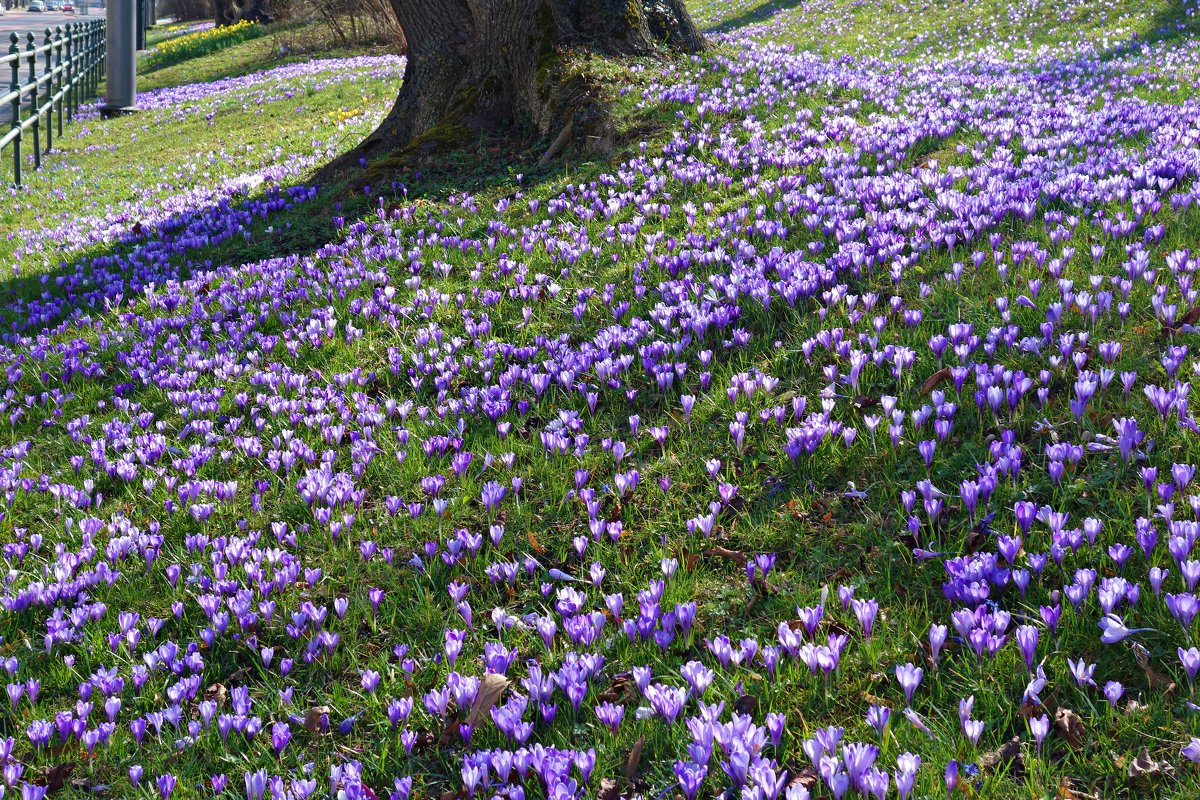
49, 80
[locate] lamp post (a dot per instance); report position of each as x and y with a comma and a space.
120, 93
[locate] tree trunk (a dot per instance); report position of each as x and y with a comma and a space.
507, 68
228, 12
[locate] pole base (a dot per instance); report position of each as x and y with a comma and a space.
108, 112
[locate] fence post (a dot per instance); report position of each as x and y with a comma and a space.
31, 56
89, 59
14, 50
93, 61
60, 94
49, 76
93, 74
101, 54
69, 98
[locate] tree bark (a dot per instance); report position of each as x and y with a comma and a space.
508, 68
228, 12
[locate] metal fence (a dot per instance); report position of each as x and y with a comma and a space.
52, 75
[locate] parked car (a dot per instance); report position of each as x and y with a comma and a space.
68, 8
36, 5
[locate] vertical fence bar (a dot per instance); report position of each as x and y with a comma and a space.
88, 66
69, 98
49, 78
90, 39
59, 93
101, 56
14, 50
31, 56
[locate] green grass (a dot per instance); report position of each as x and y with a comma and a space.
823, 538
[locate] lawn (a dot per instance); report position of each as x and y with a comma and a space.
831, 438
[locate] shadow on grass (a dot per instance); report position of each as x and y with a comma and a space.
753, 16
1168, 25
102, 281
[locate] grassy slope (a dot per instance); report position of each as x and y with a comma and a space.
821, 536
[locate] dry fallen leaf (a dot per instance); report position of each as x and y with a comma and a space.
1145, 767
1190, 318
609, 789
216, 693
1009, 752
490, 689
1070, 727
1068, 792
634, 760
619, 691
534, 543
806, 777
316, 720
933, 380
58, 775
747, 704
1154, 678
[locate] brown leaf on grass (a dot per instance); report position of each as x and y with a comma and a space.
1028, 710
450, 734
975, 541
619, 691
490, 689
863, 402
840, 574
635, 759
609, 789
1145, 767
806, 777
534, 543
316, 719
933, 380
58, 775
1070, 727
216, 694
724, 552
1154, 678
1007, 753
1190, 318
747, 704
1066, 791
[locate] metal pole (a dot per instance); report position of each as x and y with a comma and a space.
15, 50
121, 64
141, 24
60, 94
71, 73
49, 76
34, 116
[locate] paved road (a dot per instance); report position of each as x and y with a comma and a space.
22, 22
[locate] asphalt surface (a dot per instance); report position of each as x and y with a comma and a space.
21, 22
